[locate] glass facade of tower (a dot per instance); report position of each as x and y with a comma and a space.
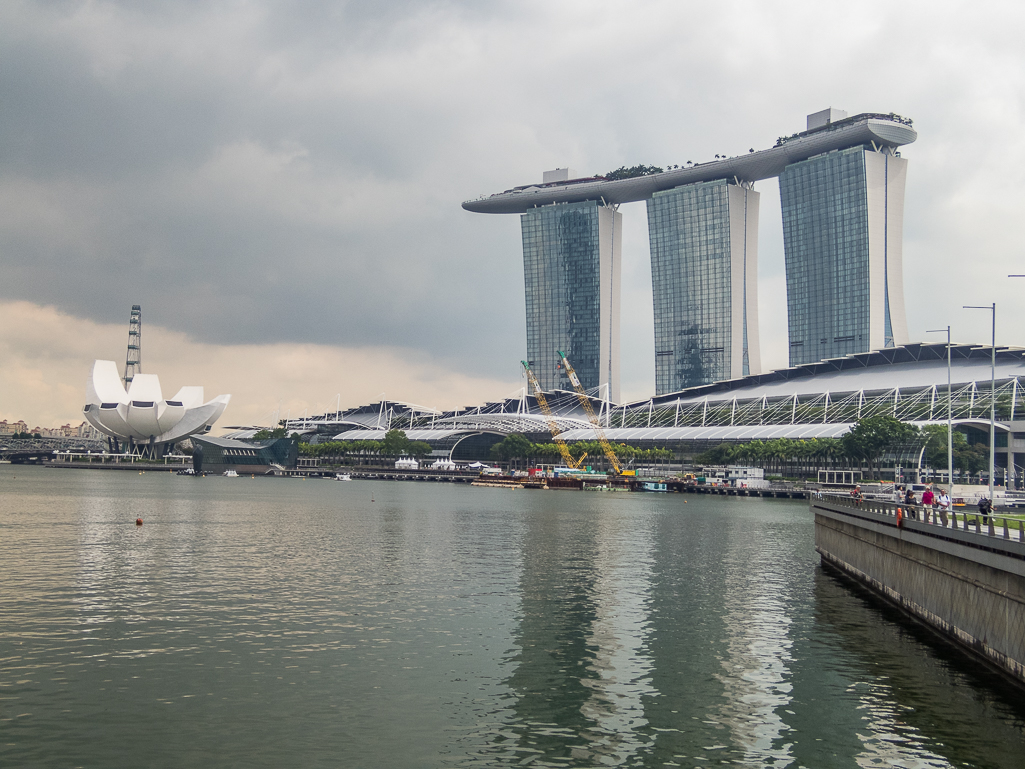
825, 202
698, 235
563, 275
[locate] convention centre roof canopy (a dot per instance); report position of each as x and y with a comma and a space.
817, 400
911, 366
824, 399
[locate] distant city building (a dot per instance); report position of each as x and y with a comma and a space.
842, 233
86, 430
571, 268
141, 418
704, 270
842, 187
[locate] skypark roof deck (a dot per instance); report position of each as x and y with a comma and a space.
869, 129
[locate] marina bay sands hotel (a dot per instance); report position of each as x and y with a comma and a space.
841, 185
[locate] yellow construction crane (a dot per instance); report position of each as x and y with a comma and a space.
552, 425
586, 403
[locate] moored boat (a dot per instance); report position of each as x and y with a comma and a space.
652, 486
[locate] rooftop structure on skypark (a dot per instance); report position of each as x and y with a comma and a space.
871, 129
842, 194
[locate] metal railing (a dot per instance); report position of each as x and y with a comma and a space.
992, 525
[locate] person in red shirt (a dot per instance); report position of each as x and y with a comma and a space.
928, 500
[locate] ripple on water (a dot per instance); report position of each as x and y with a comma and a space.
279, 623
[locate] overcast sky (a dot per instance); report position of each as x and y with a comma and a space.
278, 184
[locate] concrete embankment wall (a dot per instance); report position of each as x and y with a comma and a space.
967, 585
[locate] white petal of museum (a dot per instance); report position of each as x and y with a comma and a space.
141, 413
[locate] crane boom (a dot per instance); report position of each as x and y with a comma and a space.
550, 417
586, 403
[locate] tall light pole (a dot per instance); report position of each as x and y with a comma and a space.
992, 396
950, 413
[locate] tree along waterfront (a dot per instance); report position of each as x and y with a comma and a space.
515, 449
864, 446
394, 444
868, 445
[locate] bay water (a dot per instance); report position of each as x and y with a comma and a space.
259, 622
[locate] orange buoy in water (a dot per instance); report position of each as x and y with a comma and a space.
138, 521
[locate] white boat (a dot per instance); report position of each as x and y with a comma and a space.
343, 477
652, 486
230, 474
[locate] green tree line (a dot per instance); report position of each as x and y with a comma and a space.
866, 442
633, 171
395, 444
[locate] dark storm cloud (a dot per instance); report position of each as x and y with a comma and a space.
292, 172
257, 188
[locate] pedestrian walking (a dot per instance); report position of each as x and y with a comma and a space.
928, 500
909, 502
944, 503
985, 508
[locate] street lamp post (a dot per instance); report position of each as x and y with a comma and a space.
950, 413
1010, 438
992, 396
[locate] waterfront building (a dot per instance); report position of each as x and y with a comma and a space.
842, 235
816, 400
86, 430
269, 456
14, 427
704, 268
571, 272
141, 418
843, 185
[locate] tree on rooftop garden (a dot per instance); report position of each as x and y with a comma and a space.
633, 171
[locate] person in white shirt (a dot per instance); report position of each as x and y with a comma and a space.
944, 502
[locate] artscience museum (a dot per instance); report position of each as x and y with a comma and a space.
140, 417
